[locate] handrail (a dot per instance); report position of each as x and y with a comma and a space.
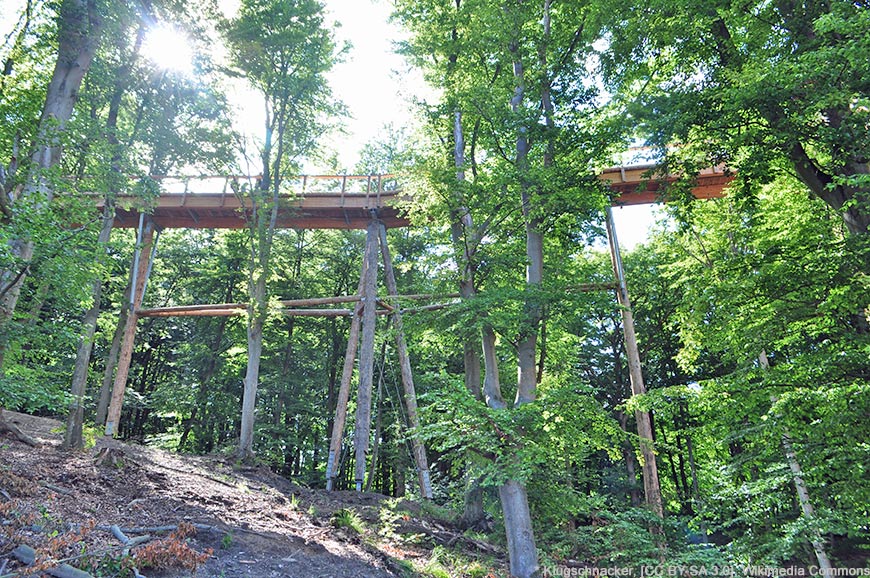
320, 184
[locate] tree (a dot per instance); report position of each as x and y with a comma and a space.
118, 94
507, 158
761, 86
284, 50
777, 275
78, 30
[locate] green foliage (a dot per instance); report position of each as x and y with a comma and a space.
284, 50
348, 518
769, 269
758, 85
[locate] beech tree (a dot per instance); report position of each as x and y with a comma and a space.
766, 292
513, 106
283, 49
146, 127
78, 36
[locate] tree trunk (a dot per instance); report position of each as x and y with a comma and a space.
463, 236
800, 486
256, 320
207, 375
112, 359
73, 436
79, 28
264, 216
522, 552
630, 462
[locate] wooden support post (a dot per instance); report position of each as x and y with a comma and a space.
344, 388
142, 266
362, 426
407, 377
652, 489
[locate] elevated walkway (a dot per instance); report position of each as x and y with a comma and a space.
345, 201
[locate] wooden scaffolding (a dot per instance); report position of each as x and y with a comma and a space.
367, 202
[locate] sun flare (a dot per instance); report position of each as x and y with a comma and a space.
169, 48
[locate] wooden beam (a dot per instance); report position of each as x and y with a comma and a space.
362, 426
410, 396
651, 486
238, 312
197, 309
344, 387
144, 253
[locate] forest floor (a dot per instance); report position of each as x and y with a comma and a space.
250, 523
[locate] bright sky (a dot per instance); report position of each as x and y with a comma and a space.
376, 87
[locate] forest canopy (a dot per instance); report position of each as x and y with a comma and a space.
732, 431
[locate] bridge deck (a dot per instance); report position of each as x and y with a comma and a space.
343, 201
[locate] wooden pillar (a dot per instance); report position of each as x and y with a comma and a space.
145, 246
652, 489
407, 377
362, 427
344, 387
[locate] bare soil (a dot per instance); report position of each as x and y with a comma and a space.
256, 523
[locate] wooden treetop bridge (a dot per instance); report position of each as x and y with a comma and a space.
345, 201
371, 202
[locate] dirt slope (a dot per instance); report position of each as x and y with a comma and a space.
256, 524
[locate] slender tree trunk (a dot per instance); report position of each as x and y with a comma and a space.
671, 463
630, 462
207, 375
262, 227
803, 494
112, 358
491, 382
37, 303
256, 321
696, 494
73, 437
